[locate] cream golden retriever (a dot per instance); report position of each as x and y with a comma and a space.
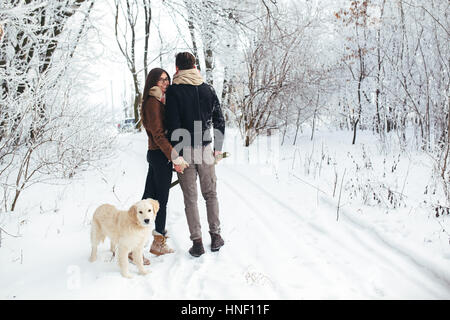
127, 230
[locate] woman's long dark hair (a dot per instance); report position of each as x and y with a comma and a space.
151, 81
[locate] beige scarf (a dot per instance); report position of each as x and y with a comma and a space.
189, 76
157, 93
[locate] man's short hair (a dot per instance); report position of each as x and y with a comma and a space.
185, 60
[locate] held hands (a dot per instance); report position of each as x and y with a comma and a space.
180, 164
178, 169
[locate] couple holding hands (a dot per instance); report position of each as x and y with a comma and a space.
177, 118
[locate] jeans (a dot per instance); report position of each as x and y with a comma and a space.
157, 185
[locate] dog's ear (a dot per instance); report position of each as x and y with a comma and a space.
155, 205
132, 212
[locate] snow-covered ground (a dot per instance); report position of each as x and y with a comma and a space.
284, 237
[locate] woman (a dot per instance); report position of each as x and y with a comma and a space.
159, 155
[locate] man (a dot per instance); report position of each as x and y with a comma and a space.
192, 107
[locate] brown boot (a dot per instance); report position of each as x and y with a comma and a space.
216, 241
159, 245
197, 248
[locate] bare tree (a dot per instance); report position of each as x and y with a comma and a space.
45, 133
147, 22
190, 20
357, 19
126, 29
269, 75
42, 43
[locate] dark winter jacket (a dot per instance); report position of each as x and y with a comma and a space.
186, 103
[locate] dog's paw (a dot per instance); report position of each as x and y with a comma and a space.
127, 275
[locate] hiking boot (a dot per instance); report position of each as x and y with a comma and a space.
159, 245
145, 260
216, 242
197, 249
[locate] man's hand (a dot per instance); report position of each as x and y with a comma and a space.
218, 155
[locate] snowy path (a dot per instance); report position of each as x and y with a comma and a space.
327, 259
282, 241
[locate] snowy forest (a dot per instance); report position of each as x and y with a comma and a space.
355, 92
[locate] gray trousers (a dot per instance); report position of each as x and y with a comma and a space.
201, 163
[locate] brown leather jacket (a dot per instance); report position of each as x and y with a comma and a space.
154, 126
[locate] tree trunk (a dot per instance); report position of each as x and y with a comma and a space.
247, 140
361, 77
297, 126
355, 126
13, 206
225, 85
209, 66
314, 117
148, 20
191, 27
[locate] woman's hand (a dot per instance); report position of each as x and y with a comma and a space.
178, 169
180, 164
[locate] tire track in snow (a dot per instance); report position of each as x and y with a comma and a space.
378, 243
435, 272
259, 230
316, 263
267, 231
